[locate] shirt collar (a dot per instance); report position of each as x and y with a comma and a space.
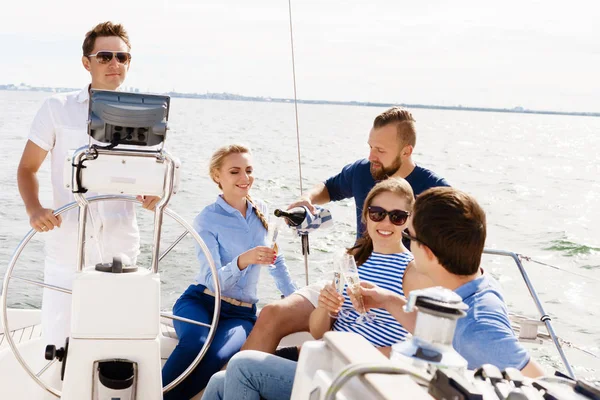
474, 286
228, 208
84, 94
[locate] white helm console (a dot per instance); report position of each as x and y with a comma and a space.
114, 345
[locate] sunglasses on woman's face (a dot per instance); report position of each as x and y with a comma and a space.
378, 214
104, 57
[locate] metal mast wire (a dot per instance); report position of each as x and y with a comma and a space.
305, 246
295, 93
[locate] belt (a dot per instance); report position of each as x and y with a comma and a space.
229, 299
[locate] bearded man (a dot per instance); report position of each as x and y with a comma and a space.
392, 141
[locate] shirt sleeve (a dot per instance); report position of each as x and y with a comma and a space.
42, 131
228, 274
282, 277
442, 182
487, 342
340, 186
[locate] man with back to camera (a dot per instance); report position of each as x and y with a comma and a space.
59, 126
392, 140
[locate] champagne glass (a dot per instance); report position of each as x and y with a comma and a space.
338, 283
350, 271
273, 233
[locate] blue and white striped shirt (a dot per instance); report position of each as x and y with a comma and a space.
386, 271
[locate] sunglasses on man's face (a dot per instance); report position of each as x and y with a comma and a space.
378, 214
104, 57
410, 237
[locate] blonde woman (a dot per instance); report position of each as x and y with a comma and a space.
235, 230
382, 258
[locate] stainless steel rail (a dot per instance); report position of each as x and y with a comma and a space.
354, 370
544, 317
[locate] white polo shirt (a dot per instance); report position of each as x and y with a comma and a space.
59, 127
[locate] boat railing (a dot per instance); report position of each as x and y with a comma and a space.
544, 317
358, 370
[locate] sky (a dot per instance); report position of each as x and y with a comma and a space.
533, 54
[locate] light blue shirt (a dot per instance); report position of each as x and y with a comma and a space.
485, 334
228, 234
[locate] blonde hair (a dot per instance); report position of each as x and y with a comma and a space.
364, 246
216, 162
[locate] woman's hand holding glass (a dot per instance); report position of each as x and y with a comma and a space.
338, 283
262, 255
350, 271
331, 300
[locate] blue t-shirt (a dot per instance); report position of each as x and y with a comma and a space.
356, 181
485, 334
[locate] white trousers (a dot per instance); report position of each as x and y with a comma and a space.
56, 306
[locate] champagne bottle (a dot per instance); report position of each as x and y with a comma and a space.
293, 217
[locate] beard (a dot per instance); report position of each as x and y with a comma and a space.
382, 172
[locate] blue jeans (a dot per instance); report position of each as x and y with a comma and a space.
253, 375
235, 323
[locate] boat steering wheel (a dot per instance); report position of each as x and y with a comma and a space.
189, 229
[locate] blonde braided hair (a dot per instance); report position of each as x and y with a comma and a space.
259, 214
216, 162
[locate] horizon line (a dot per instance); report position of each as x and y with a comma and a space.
238, 97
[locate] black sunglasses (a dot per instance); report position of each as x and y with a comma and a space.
104, 56
408, 236
378, 214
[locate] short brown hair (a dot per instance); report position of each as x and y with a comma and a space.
104, 29
405, 124
452, 224
364, 246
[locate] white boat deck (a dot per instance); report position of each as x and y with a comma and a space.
22, 334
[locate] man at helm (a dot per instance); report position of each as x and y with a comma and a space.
59, 127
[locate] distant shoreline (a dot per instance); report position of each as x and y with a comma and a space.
237, 97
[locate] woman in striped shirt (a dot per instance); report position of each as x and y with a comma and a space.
383, 260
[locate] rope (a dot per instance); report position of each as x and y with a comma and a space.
570, 344
295, 95
527, 258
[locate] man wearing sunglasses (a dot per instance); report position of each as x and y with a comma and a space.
60, 126
392, 140
448, 231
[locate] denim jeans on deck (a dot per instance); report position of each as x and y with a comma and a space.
253, 375
235, 323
